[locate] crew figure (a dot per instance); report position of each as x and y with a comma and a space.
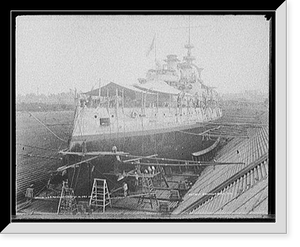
136, 181
125, 188
29, 193
153, 169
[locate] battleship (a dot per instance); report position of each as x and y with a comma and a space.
160, 114
165, 145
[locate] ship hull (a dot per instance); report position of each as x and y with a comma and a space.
143, 142
176, 143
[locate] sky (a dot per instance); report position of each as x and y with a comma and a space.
57, 53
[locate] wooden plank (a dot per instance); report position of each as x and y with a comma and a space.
178, 160
163, 199
223, 185
191, 164
139, 158
259, 125
93, 153
62, 168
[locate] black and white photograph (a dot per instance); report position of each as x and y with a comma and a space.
144, 117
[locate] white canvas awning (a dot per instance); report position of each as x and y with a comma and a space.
157, 86
112, 86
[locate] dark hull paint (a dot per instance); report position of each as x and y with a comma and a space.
174, 144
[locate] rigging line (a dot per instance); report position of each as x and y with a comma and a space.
25, 145
46, 126
40, 156
58, 124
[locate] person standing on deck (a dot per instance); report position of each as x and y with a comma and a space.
125, 188
136, 181
117, 162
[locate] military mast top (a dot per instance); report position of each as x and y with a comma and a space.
189, 58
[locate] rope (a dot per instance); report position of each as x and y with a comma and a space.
25, 145
40, 156
46, 127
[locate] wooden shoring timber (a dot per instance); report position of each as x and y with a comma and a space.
222, 135
184, 162
168, 189
93, 153
182, 175
139, 158
144, 196
129, 196
133, 175
230, 132
192, 164
231, 128
165, 199
198, 134
206, 131
248, 124
59, 169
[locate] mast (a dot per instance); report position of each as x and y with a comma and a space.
189, 29
123, 100
155, 55
189, 58
155, 47
117, 101
99, 91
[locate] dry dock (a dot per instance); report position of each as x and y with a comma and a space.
228, 180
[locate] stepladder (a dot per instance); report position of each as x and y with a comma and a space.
67, 202
148, 190
100, 196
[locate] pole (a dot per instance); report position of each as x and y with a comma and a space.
75, 96
107, 96
117, 101
145, 102
123, 100
142, 103
99, 91
157, 103
155, 46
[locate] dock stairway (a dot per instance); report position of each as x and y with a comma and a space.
67, 202
100, 196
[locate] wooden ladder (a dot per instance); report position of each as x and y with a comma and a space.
67, 202
148, 189
100, 196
